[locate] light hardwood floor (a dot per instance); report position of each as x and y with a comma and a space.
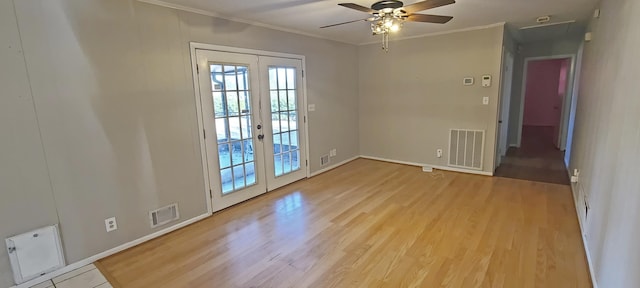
373, 224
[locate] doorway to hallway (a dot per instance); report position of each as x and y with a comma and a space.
543, 127
544, 98
537, 158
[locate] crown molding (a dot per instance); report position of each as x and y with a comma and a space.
288, 30
239, 20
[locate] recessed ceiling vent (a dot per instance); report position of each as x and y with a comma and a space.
543, 19
164, 215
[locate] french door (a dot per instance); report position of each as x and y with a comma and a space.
253, 123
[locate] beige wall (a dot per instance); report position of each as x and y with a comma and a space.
607, 143
111, 82
412, 96
106, 126
26, 200
510, 42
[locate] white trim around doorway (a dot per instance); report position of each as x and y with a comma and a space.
566, 105
193, 46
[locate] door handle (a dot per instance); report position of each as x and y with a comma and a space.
259, 126
260, 137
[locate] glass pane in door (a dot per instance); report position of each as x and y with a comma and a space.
284, 120
232, 111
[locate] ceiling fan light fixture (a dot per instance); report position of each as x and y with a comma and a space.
377, 28
387, 16
388, 23
384, 25
387, 10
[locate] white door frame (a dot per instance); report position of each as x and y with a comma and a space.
566, 103
505, 97
193, 46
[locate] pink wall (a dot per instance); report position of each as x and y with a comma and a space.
543, 102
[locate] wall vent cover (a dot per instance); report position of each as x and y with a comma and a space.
324, 160
466, 148
164, 215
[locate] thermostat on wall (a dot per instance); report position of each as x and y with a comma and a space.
486, 80
467, 81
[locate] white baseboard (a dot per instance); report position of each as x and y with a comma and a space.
453, 169
94, 258
589, 261
333, 166
575, 194
514, 145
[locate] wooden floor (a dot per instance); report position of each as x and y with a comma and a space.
537, 159
373, 224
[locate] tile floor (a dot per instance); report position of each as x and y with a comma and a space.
86, 277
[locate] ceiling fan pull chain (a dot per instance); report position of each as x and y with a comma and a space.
385, 42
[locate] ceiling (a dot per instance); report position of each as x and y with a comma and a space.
307, 15
573, 30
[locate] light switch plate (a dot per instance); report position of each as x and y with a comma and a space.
312, 107
485, 100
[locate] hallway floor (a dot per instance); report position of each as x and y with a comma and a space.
536, 160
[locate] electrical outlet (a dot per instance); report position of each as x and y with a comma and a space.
333, 153
111, 224
439, 153
324, 160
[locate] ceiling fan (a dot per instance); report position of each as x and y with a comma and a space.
389, 15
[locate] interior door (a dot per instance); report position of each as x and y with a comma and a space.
229, 92
285, 154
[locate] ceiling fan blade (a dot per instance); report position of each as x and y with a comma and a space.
427, 4
344, 23
429, 18
358, 7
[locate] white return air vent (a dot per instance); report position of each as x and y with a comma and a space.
466, 148
164, 215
